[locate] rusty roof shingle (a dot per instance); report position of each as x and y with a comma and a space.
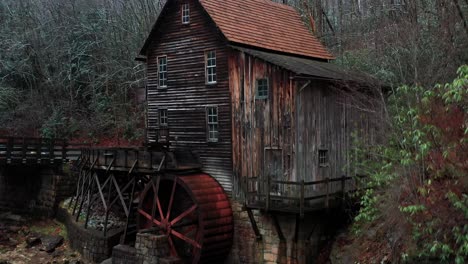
265, 24
262, 24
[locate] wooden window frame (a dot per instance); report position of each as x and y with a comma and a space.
210, 123
185, 13
161, 117
259, 96
164, 86
323, 157
209, 67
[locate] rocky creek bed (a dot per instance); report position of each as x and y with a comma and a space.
26, 240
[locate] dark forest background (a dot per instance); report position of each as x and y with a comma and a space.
67, 67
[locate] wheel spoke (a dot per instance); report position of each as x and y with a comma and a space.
169, 208
186, 239
149, 217
159, 208
171, 244
155, 191
190, 230
184, 214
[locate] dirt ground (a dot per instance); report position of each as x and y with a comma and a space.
24, 240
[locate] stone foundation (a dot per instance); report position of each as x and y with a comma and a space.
300, 248
34, 190
90, 243
149, 249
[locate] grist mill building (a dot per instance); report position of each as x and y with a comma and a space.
250, 91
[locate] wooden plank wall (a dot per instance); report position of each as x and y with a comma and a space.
260, 124
298, 123
328, 120
187, 95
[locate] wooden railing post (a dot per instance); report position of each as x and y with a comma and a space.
302, 202
328, 193
24, 147
343, 186
9, 149
268, 193
64, 151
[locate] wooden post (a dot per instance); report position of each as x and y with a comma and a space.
9, 149
64, 151
328, 193
302, 201
268, 194
343, 186
24, 147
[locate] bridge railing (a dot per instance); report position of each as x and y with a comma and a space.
15, 150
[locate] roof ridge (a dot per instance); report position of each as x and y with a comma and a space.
285, 6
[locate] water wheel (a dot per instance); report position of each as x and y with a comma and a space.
195, 214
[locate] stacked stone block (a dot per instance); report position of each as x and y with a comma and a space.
123, 254
92, 244
150, 248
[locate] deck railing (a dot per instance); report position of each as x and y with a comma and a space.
14, 150
297, 196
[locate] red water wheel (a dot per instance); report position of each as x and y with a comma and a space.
193, 211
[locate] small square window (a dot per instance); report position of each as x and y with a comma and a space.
163, 120
162, 72
210, 63
212, 123
262, 88
323, 158
185, 10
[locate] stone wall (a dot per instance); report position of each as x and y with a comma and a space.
90, 243
300, 248
34, 190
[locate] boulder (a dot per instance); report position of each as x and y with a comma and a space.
50, 243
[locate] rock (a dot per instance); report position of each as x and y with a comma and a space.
14, 229
13, 242
11, 217
107, 261
32, 241
57, 253
50, 243
4, 261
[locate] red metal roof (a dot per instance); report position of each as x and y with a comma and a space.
265, 24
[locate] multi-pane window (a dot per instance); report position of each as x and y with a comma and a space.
185, 13
162, 71
163, 117
262, 88
210, 66
212, 123
323, 157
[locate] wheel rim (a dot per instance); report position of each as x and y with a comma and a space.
185, 209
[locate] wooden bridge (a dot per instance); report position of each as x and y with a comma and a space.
37, 151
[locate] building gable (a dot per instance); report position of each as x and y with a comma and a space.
260, 24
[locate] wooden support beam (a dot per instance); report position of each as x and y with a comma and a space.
278, 228
296, 228
258, 235
90, 202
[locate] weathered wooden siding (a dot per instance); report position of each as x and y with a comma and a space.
187, 95
297, 120
328, 119
264, 124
